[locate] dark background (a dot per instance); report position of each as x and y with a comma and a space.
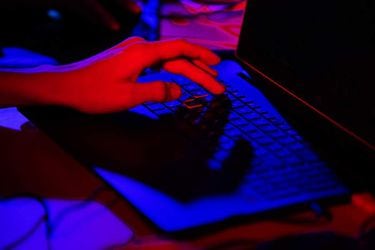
321, 50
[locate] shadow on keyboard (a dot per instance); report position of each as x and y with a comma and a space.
178, 147
172, 154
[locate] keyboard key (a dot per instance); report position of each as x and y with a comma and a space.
264, 140
162, 111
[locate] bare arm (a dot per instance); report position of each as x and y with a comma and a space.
30, 87
107, 82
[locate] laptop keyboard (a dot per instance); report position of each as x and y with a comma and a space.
283, 165
238, 157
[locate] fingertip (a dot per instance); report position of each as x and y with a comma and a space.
215, 59
213, 86
220, 89
211, 58
216, 87
174, 91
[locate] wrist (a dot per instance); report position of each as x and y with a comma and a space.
58, 88
64, 85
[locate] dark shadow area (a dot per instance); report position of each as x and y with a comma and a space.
32, 165
170, 154
326, 240
38, 172
63, 34
321, 241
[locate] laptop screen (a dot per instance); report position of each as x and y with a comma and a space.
323, 51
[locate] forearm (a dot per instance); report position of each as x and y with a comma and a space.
31, 87
108, 82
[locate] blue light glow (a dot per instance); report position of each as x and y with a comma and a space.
14, 57
275, 146
54, 14
30, 223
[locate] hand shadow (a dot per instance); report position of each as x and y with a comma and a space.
172, 154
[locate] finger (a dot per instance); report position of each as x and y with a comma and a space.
96, 13
157, 91
205, 67
196, 74
156, 52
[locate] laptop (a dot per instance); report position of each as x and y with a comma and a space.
294, 128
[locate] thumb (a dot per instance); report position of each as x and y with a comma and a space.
157, 91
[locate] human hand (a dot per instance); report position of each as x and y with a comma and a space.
107, 82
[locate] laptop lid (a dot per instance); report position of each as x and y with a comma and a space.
322, 52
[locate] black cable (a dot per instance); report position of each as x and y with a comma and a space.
46, 218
